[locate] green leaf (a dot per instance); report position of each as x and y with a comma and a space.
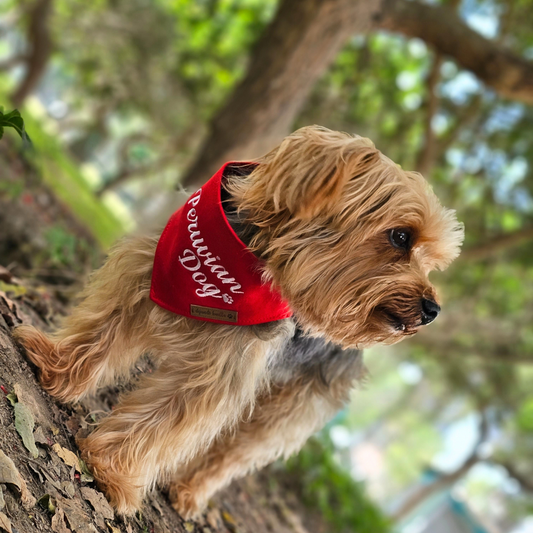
46, 503
14, 120
24, 424
85, 472
12, 397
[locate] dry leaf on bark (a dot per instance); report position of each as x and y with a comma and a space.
98, 501
5, 523
10, 474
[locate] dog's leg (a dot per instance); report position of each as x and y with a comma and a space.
281, 423
202, 387
105, 334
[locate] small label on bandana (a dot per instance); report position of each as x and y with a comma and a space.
215, 314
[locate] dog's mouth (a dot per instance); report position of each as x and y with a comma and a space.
399, 324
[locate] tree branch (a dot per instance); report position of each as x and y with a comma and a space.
500, 358
525, 482
496, 245
129, 173
464, 116
439, 26
41, 50
495, 350
11, 62
426, 156
444, 479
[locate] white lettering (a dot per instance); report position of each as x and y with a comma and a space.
195, 198
191, 259
188, 257
209, 290
209, 261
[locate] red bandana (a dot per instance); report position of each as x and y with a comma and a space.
202, 270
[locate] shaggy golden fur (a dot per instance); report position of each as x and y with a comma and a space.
319, 210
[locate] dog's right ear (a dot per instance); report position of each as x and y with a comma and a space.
306, 174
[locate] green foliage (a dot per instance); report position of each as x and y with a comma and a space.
11, 189
62, 174
524, 418
328, 487
65, 253
61, 247
13, 120
161, 71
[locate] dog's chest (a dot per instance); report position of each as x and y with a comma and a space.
310, 357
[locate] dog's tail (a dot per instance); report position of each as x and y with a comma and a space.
55, 361
104, 334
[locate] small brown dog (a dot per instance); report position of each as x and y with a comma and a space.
339, 233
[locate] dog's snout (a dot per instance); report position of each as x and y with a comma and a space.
430, 311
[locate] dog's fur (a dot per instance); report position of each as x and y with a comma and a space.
318, 210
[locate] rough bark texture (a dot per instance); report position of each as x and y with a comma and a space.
302, 41
70, 502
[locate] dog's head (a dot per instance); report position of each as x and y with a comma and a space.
348, 237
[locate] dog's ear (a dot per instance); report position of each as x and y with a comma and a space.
307, 172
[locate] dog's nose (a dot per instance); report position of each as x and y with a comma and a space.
430, 311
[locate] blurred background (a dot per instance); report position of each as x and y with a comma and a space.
127, 102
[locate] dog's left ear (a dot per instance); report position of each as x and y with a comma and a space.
307, 172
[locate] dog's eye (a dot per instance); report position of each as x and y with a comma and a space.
400, 238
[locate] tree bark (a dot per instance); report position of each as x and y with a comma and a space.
290, 56
68, 499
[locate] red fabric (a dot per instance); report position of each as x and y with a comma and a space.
202, 270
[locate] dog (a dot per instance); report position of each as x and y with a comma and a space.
255, 303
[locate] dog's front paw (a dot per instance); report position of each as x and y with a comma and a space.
187, 500
122, 489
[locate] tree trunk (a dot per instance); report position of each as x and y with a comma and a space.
293, 52
68, 500
303, 40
